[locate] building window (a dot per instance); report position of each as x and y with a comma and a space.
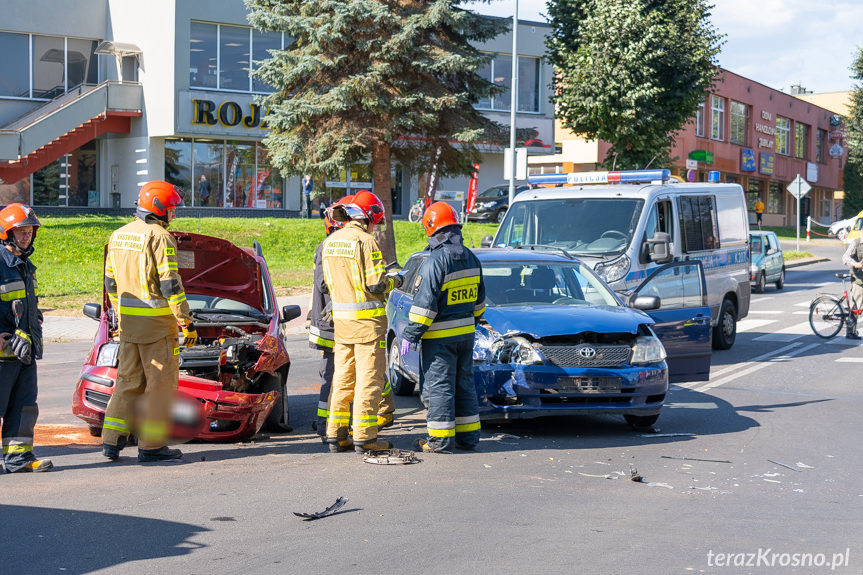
69, 181
801, 141
499, 72
221, 56
44, 67
699, 120
717, 118
753, 193
774, 199
739, 117
14, 72
820, 137
783, 135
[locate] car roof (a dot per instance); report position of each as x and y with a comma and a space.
761, 233
516, 255
621, 190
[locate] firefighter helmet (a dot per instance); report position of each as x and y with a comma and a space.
332, 224
17, 216
370, 205
156, 198
438, 216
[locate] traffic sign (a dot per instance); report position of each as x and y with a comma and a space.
798, 187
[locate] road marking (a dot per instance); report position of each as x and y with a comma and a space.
732, 368
842, 340
682, 405
766, 311
850, 360
801, 312
788, 334
747, 324
776, 357
803, 304
760, 299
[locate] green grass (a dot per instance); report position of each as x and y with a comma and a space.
69, 250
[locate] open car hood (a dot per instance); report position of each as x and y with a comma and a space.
216, 267
540, 321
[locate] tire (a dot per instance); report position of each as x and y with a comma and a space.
279, 419
762, 283
641, 421
400, 384
498, 217
416, 214
827, 315
94, 431
725, 331
780, 283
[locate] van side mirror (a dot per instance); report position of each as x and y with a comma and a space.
647, 302
290, 312
93, 311
659, 247
485, 242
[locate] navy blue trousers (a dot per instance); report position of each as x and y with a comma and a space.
19, 411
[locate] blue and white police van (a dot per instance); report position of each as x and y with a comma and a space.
627, 223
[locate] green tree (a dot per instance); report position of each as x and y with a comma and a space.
631, 72
374, 80
853, 171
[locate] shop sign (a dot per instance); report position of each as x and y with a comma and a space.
766, 164
811, 171
747, 160
220, 114
701, 156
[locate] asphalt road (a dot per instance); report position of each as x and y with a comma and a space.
762, 463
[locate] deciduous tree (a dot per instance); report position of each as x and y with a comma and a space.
853, 170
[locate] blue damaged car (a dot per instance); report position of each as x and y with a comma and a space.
556, 340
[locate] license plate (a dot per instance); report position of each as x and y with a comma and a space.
588, 384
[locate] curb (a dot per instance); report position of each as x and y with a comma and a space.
805, 262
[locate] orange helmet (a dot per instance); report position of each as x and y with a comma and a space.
18, 216
438, 216
370, 205
331, 224
156, 198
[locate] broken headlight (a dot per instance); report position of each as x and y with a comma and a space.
647, 349
515, 350
108, 355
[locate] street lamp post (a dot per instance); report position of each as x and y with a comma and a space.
513, 99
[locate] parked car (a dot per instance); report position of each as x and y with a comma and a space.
233, 381
767, 264
491, 205
555, 339
841, 228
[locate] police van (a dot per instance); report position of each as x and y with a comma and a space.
627, 223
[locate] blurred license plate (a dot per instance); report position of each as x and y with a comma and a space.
588, 384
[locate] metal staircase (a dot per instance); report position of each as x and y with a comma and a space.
64, 124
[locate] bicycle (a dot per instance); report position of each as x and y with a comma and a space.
828, 313
417, 210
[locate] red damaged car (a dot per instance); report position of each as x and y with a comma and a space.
233, 381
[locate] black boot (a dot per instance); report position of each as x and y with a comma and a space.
112, 452
161, 454
851, 328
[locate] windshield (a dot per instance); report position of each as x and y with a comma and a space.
206, 303
531, 283
599, 226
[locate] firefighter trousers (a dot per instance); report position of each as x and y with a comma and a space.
448, 388
147, 375
19, 411
358, 379
326, 373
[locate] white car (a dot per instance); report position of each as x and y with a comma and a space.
841, 228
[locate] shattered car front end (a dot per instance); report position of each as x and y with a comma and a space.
233, 380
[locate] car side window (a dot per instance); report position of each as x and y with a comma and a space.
513, 234
677, 287
409, 272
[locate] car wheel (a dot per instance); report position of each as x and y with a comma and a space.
498, 217
762, 283
780, 283
400, 384
279, 418
94, 431
641, 421
726, 328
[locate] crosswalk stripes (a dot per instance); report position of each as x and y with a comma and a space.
790, 333
749, 324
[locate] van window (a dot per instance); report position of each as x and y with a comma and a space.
732, 218
512, 230
698, 227
660, 220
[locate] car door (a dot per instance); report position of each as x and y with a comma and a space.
774, 258
683, 318
398, 308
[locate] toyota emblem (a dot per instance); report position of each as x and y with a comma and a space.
587, 352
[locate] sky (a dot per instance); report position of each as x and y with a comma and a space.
774, 42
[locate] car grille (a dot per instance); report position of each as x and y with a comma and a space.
580, 356
588, 384
96, 399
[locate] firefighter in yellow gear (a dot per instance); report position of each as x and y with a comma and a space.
145, 290
358, 283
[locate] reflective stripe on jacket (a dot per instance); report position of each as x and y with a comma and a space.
18, 282
321, 334
143, 282
450, 295
355, 275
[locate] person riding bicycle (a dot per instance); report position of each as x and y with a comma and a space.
853, 258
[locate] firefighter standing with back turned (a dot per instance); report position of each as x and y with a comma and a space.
357, 281
449, 300
321, 335
20, 339
144, 286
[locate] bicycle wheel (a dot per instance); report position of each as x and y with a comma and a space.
416, 213
827, 315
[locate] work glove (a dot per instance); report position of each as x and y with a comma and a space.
406, 345
397, 279
190, 335
327, 315
20, 346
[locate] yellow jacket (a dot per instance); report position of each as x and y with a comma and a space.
143, 283
355, 274
759, 207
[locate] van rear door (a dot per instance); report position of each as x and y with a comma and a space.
683, 318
